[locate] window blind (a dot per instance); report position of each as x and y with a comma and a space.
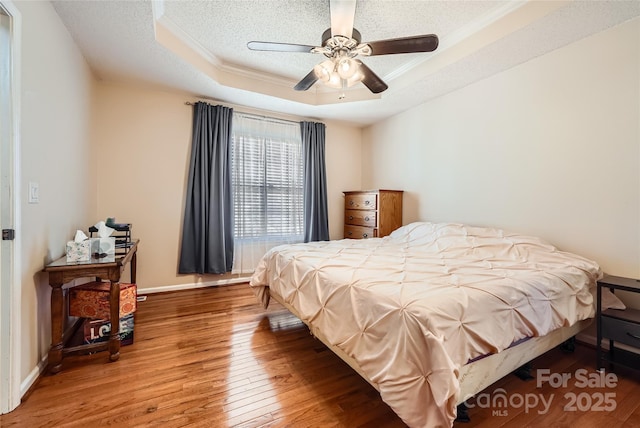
267, 183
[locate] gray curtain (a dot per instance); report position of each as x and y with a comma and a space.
316, 218
207, 231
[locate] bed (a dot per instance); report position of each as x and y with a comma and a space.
434, 312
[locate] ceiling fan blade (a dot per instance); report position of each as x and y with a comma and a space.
426, 43
371, 79
306, 82
342, 15
278, 47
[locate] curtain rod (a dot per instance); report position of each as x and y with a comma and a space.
258, 116
267, 118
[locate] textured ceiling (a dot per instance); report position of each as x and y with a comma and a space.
303, 22
203, 51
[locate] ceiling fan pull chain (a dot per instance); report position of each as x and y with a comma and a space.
344, 88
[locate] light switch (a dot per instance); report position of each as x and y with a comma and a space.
34, 193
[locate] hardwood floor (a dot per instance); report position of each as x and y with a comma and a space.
214, 358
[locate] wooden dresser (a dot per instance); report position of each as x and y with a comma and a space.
372, 213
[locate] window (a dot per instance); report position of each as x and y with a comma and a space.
267, 182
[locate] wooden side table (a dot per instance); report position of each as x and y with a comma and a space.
61, 272
622, 326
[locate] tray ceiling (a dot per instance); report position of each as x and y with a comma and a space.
199, 47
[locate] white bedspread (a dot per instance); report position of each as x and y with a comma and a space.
413, 307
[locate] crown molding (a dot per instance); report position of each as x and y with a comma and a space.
173, 37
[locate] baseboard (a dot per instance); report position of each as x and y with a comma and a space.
193, 285
33, 376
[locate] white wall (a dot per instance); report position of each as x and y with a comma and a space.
56, 153
344, 171
550, 147
148, 133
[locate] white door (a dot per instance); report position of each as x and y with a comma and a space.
9, 128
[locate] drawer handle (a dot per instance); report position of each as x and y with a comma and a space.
367, 202
635, 336
350, 233
366, 235
350, 217
351, 202
366, 218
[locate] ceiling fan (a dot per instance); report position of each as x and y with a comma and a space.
341, 44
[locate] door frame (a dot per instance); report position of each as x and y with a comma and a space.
10, 291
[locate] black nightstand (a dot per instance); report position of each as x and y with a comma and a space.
622, 326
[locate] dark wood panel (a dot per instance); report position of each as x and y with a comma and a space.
213, 357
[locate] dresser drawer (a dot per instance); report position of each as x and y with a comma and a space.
362, 201
360, 218
621, 331
359, 232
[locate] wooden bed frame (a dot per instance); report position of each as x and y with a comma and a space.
477, 375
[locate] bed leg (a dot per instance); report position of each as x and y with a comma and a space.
524, 372
569, 345
463, 413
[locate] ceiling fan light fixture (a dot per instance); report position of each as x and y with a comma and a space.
355, 78
324, 70
335, 81
338, 72
347, 67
